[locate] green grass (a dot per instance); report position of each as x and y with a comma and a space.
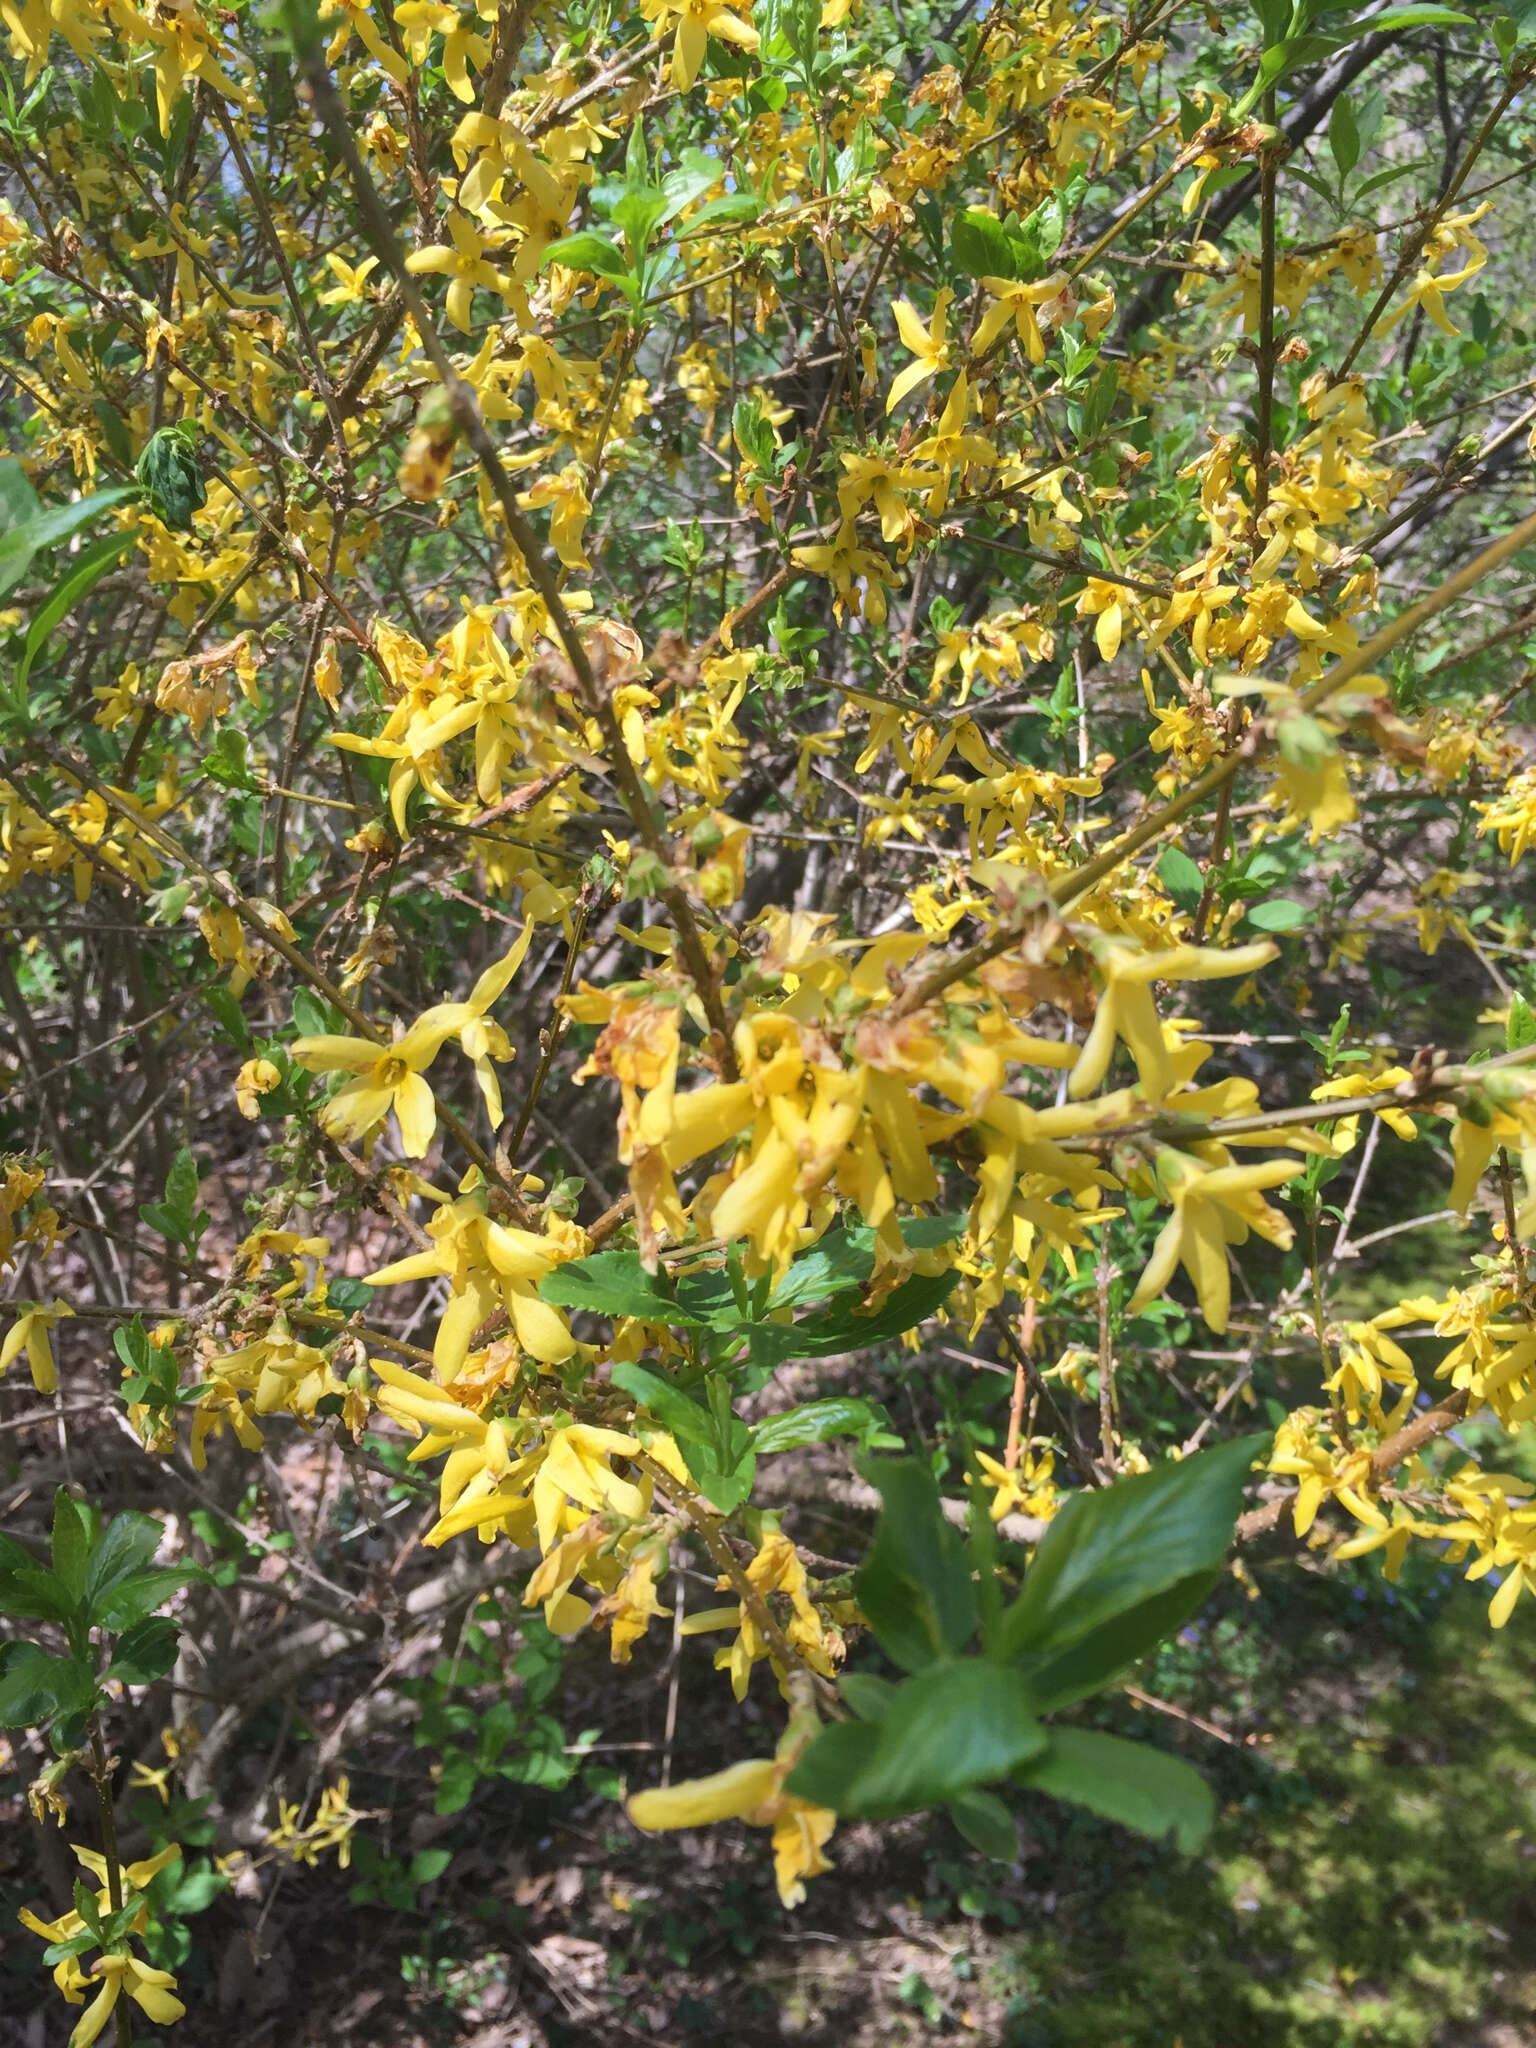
1372, 1878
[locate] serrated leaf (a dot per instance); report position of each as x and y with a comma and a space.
34, 1686
145, 1652
126, 1546
817, 1422
616, 1284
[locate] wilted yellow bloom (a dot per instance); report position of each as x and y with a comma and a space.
255, 1079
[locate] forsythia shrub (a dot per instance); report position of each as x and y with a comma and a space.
700, 687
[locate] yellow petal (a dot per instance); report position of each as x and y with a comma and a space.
724, 1795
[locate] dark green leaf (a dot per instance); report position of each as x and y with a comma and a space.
1130, 1782
986, 1824
1107, 1552
133, 1598
915, 1581
71, 1543
615, 1284
961, 1723
145, 1652
29, 1593
841, 1328
127, 1545
34, 1686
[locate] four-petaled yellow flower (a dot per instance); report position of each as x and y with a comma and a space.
1016, 302
111, 1974
697, 21
462, 260
927, 344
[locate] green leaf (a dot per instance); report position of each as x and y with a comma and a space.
986, 1824
1343, 136
145, 1652
82, 577
19, 503
979, 245
1520, 1026
1181, 877
225, 760
963, 1722
1409, 17
730, 207
311, 1017
41, 530
1279, 914
71, 1543
915, 1581
1130, 1782
29, 1593
843, 1328
716, 1445
685, 1419
34, 1686
1100, 402
131, 1600
869, 1697
589, 252
169, 472
1060, 1677
690, 181
231, 1018
817, 1422
615, 1284
128, 1543
1109, 1552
